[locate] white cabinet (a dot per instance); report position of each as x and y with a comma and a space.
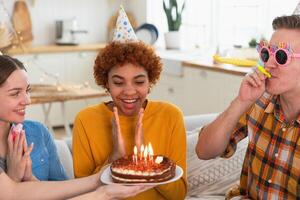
70, 67
196, 90
210, 91
171, 85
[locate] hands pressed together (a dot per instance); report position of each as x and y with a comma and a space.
19, 166
118, 141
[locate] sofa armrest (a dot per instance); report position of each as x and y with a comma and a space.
65, 157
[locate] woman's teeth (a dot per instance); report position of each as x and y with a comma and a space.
129, 100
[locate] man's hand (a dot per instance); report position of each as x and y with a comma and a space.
252, 87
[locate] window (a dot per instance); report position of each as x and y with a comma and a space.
225, 23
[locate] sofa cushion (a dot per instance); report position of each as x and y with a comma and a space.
215, 176
65, 157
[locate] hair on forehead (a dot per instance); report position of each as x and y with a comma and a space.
288, 22
118, 54
7, 66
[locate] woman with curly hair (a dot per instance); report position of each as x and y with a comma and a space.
110, 130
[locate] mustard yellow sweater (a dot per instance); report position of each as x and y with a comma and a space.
163, 126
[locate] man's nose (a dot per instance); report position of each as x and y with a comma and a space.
271, 63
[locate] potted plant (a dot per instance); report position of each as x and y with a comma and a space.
174, 17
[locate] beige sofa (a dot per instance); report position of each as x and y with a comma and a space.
207, 179
210, 179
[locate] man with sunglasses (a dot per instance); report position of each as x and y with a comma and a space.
267, 110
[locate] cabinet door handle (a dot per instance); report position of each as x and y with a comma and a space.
171, 90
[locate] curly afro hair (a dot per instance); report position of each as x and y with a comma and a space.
118, 54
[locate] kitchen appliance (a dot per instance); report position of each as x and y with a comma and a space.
66, 32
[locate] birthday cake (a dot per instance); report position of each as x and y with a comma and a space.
130, 170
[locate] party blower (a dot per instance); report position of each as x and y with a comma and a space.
262, 69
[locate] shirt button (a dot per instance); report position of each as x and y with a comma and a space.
269, 181
283, 129
276, 155
42, 160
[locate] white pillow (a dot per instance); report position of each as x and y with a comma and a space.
215, 176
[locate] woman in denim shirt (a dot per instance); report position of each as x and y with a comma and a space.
45, 162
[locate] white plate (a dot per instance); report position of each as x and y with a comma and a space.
106, 178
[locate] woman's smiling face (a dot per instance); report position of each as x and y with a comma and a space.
14, 97
128, 86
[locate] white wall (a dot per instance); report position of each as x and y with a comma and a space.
92, 15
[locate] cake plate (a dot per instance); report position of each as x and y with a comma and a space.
106, 178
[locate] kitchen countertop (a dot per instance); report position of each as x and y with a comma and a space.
210, 65
202, 60
55, 48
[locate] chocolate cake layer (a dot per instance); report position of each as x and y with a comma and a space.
124, 170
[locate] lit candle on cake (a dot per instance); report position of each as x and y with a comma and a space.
151, 153
141, 153
135, 157
146, 155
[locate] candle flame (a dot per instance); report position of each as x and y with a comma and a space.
142, 148
146, 152
135, 150
150, 149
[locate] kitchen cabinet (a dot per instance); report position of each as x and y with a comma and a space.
70, 68
196, 90
210, 91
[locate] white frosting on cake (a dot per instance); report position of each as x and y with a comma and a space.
141, 180
140, 173
158, 159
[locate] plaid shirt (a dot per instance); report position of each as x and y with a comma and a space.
271, 168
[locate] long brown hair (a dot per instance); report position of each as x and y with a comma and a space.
7, 66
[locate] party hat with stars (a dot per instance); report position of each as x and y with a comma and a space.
124, 31
297, 10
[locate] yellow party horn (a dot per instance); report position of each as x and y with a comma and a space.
263, 70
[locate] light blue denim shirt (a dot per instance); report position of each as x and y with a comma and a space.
45, 161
